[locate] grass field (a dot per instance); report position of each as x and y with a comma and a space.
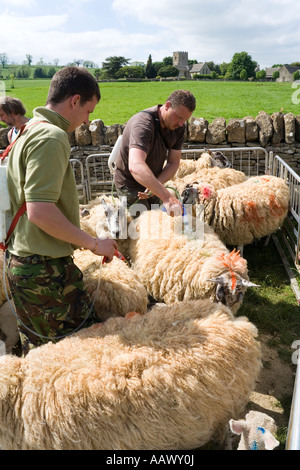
120, 100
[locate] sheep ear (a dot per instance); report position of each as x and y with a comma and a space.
270, 441
246, 283
237, 427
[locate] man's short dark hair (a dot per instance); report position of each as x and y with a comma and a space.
70, 81
183, 97
10, 105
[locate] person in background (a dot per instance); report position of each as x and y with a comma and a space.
12, 113
151, 138
46, 286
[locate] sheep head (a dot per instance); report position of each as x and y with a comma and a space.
256, 431
218, 159
230, 289
116, 218
232, 280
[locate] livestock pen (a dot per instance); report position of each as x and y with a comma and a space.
94, 177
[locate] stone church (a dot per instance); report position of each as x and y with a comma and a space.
181, 62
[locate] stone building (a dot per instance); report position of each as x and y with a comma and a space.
286, 73
181, 62
201, 69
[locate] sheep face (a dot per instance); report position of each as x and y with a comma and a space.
230, 289
115, 217
219, 159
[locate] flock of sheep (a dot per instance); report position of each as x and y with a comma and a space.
167, 377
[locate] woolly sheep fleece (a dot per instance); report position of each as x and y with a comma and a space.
114, 287
241, 213
169, 379
175, 268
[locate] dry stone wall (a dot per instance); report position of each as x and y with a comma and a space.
279, 132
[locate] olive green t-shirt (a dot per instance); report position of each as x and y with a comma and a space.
39, 170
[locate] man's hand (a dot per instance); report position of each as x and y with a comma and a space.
144, 195
173, 207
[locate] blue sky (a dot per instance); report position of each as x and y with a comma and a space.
269, 30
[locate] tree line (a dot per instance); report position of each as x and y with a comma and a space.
241, 67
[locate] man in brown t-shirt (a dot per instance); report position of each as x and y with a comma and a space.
151, 138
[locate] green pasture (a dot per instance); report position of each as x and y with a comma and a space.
120, 100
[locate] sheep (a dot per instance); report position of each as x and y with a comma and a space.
175, 267
243, 212
256, 431
218, 177
114, 287
170, 379
107, 216
207, 159
8, 322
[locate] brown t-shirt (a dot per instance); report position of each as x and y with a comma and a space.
143, 131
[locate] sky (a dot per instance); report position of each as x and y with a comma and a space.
214, 30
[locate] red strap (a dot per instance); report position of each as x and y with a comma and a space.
20, 212
3, 246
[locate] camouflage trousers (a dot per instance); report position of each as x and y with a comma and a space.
49, 297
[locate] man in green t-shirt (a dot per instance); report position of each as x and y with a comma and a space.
46, 286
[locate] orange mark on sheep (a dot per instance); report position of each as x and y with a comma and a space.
275, 208
230, 261
251, 213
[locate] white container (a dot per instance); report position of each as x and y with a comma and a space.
114, 154
5, 213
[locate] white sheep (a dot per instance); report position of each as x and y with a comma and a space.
243, 212
107, 216
175, 267
8, 326
207, 159
114, 287
8, 322
170, 379
218, 177
256, 431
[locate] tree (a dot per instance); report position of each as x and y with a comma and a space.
113, 64
244, 75
51, 72
3, 58
29, 59
23, 71
131, 72
275, 75
296, 75
150, 69
241, 61
261, 75
168, 71
168, 61
39, 72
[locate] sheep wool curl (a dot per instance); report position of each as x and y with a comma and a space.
114, 287
170, 379
174, 267
251, 210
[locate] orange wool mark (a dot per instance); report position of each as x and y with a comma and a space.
251, 213
266, 178
275, 208
131, 314
229, 260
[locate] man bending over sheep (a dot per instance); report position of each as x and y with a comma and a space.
151, 137
46, 285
